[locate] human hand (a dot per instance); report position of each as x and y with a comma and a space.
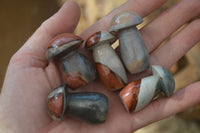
23, 105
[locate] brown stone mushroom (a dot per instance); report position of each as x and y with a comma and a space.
108, 64
76, 68
132, 47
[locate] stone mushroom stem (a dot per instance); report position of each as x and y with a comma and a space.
133, 50
105, 55
88, 106
76, 69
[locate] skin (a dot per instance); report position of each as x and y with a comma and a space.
30, 78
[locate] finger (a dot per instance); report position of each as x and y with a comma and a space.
142, 7
166, 107
159, 29
177, 46
65, 20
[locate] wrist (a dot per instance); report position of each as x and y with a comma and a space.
5, 128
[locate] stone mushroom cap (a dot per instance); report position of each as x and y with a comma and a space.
166, 78
101, 37
57, 102
125, 19
63, 44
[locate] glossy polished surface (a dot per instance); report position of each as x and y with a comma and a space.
166, 79
56, 103
137, 94
132, 47
88, 106
147, 91
101, 37
108, 64
106, 56
110, 80
77, 69
64, 38
133, 50
124, 19
129, 95
63, 44
93, 39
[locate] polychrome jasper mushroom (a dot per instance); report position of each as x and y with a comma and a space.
108, 64
132, 47
137, 94
76, 68
89, 106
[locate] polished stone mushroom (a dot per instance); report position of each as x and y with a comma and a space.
89, 106
137, 94
76, 68
108, 64
132, 47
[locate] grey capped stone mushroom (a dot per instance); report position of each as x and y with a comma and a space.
137, 94
88, 106
108, 64
132, 47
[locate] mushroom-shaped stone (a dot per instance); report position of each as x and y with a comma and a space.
76, 68
137, 94
132, 47
62, 44
88, 106
124, 20
108, 64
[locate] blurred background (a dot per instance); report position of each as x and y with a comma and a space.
19, 19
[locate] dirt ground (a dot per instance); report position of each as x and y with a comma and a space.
19, 19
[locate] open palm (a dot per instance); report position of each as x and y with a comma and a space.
29, 78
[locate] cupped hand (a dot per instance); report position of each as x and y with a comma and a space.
29, 78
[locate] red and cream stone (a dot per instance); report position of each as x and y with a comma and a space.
108, 64
137, 94
56, 103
